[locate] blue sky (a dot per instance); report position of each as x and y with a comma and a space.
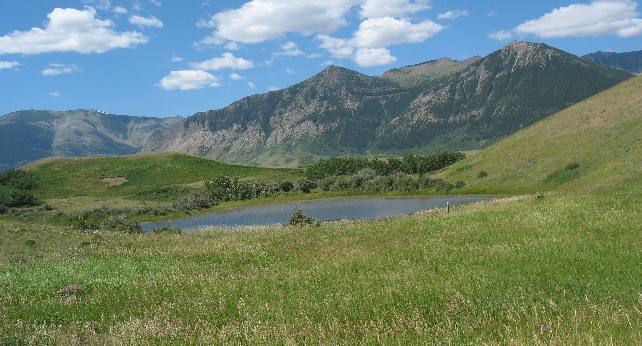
171, 57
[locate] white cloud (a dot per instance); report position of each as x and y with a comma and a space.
392, 8
156, 2
251, 85
500, 35
176, 59
231, 46
273, 88
59, 69
366, 47
8, 65
235, 76
290, 71
261, 20
598, 18
453, 14
387, 31
289, 49
188, 80
70, 30
119, 10
226, 61
150, 21
102, 5
54, 94
369, 57
337, 47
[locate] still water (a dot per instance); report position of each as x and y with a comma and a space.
323, 210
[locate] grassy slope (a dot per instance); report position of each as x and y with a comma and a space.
60, 178
603, 134
563, 269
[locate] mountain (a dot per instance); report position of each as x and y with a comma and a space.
630, 61
602, 135
422, 108
33, 134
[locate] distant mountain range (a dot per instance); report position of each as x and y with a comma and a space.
430, 106
33, 134
630, 62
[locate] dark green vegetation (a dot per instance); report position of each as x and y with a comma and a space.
29, 135
299, 218
17, 189
630, 62
424, 108
409, 164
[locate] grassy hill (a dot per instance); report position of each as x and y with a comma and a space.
133, 175
602, 134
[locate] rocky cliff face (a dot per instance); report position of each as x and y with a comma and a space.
426, 107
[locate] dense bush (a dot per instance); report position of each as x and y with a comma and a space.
194, 200
368, 181
572, 166
167, 230
482, 174
409, 164
17, 189
299, 218
105, 219
286, 186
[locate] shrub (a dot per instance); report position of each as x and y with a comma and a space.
572, 166
306, 186
286, 186
482, 174
17, 189
194, 201
105, 219
167, 230
460, 185
299, 218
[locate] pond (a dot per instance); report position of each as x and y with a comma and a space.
324, 210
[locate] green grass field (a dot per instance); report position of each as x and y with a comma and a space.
77, 183
559, 263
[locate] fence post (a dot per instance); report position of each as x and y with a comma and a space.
447, 207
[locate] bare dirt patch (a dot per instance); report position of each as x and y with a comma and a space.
114, 181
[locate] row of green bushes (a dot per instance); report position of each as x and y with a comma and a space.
409, 164
367, 180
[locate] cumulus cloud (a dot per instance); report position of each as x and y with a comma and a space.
225, 61
391, 8
231, 46
261, 20
59, 69
453, 14
387, 31
150, 21
374, 35
500, 35
188, 80
289, 49
235, 76
369, 57
119, 10
70, 30
598, 18
8, 65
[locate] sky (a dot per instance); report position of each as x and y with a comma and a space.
178, 57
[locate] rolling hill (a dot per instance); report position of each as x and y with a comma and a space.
602, 135
29, 135
423, 108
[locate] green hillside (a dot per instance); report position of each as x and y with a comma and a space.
130, 175
602, 134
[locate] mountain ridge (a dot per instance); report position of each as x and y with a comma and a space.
630, 62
